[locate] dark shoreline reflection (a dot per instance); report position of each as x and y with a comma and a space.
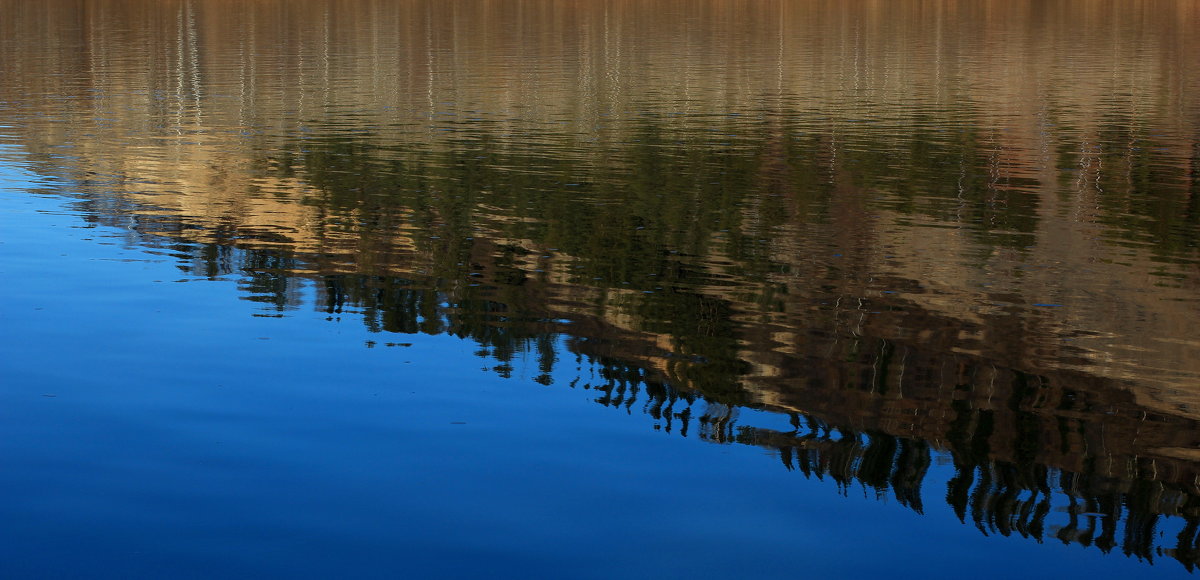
1058, 455
1020, 465
909, 271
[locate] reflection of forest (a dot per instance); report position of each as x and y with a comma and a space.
875, 384
774, 234
907, 248
994, 156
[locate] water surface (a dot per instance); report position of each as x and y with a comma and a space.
591, 289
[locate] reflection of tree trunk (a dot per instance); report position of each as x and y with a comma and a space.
1192, 211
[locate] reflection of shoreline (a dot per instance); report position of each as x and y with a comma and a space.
1065, 456
326, 217
1008, 210
1111, 311
837, 260
825, 329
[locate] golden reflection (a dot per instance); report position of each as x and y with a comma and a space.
174, 104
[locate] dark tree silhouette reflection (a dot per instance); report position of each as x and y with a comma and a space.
689, 279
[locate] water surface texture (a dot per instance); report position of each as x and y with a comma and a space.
655, 288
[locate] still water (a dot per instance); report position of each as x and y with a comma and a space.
656, 288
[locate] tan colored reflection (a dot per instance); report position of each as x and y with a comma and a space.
184, 106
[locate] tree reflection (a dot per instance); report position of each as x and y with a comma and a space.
692, 274
876, 266
653, 274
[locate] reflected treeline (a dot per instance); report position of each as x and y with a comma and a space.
1143, 507
686, 234
1067, 457
690, 277
914, 234
748, 161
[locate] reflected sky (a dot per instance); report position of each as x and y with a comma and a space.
471, 279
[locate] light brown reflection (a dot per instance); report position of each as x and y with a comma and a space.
174, 104
206, 111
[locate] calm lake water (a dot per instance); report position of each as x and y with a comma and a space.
654, 288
